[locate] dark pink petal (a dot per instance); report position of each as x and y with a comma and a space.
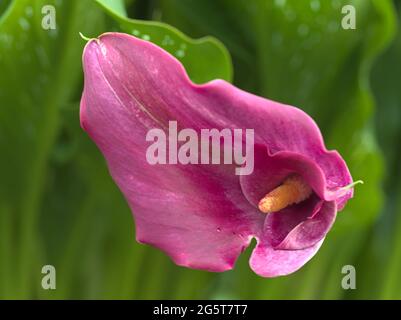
270, 171
203, 216
197, 214
300, 226
269, 262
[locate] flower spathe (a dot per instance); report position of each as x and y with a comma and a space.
204, 216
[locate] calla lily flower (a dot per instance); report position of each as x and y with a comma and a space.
204, 215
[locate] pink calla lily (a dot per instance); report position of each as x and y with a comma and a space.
204, 215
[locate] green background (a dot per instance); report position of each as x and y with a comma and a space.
59, 206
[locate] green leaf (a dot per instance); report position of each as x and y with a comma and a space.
115, 6
204, 59
4, 5
383, 252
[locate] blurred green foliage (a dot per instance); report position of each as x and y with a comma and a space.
59, 206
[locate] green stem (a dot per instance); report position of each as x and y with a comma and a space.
74, 248
131, 273
6, 254
391, 286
